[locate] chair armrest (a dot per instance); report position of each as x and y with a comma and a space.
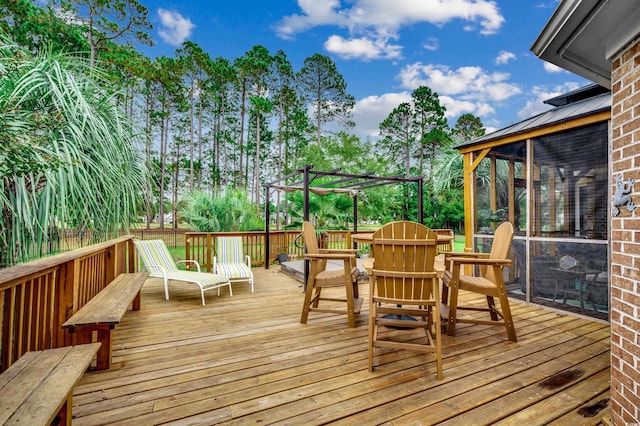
336, 251
473, 255
463, 254
465, 260
247, 259
190, 261
329, 256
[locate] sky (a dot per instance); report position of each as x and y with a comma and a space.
474, 53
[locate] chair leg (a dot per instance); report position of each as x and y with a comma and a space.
307, 301
350, 306
453, 307
316, 299
434, 316
349, 285
166, 288
506, 317
372, 331
445, 294
492, 308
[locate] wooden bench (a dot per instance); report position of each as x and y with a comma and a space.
38, 387
104, 311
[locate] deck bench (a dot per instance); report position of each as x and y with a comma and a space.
37, 388
104, 311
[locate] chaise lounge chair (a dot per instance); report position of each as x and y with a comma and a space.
231, 262
160, 264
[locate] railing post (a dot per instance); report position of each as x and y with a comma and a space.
111, 264
6, 329
66, 291
210, 252
131, 253
187, 247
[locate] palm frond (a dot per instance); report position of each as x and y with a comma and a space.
70, 160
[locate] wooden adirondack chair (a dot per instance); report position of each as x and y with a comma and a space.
404, 285
321, 277
489, 283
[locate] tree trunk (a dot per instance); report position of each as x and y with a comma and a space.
163, 167
242, 114
256, 177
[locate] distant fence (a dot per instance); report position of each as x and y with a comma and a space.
171, 237
201, 246
61, 241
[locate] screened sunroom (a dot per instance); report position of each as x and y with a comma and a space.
548, 175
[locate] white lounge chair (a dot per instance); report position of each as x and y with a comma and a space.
231, 262
160, 264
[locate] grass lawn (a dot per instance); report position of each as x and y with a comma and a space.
458, 242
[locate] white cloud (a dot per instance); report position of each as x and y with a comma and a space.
363, 48
369, 112
174, 28
504, 57
547, 5
552, 69
384, 18
468, 89
314, 13
457, 107
536, 105
470, 83
432, 44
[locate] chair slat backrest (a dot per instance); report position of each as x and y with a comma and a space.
404, 254
155, 252
229, 250
311, 245
500, 246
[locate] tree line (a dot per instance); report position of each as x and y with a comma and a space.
214, 125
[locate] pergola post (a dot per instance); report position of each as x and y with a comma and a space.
267, 213
306, 191
420, 207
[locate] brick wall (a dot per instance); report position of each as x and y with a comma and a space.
625, 240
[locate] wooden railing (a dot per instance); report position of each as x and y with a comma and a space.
200, 246
37, 297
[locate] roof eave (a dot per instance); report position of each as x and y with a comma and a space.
583, 35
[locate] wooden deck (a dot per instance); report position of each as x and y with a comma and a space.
246, 359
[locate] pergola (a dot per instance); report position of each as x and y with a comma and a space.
305, 179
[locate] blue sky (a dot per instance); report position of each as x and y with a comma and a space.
473, 53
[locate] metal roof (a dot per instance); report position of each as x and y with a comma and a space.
601, 102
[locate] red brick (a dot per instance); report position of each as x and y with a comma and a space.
630, 126
625, 242
632, 298
631, 150
624, 164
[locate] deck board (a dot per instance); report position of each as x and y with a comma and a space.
246, 359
